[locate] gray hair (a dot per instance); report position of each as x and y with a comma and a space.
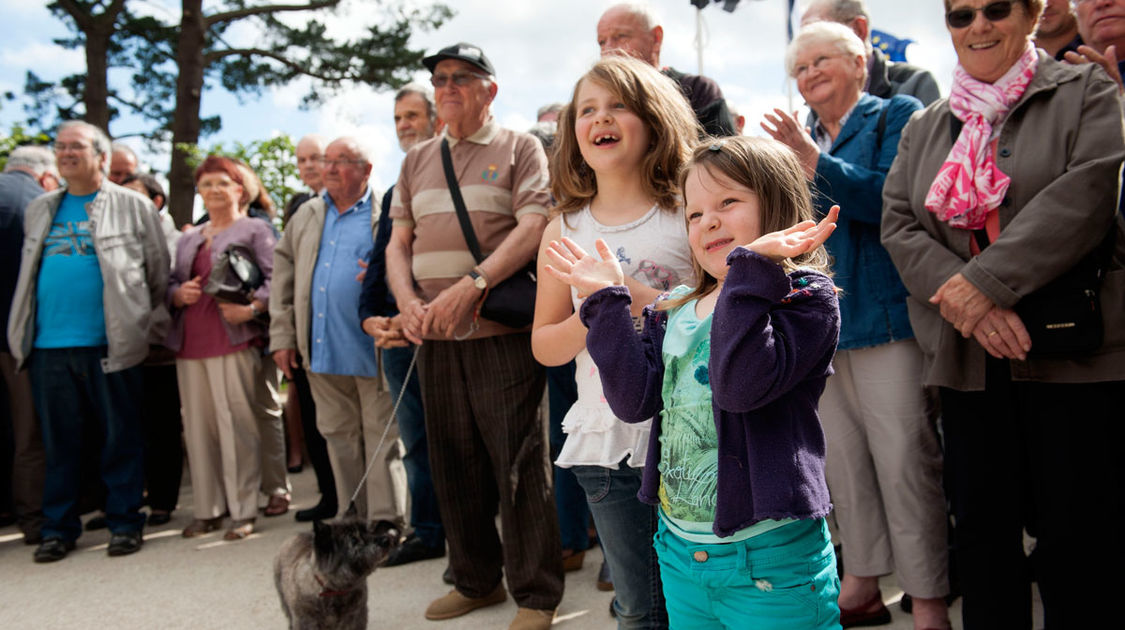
843, 11
841, 37
124, 148
360, 150
427, 94
642, 11
100, 140
547, 109
34, 158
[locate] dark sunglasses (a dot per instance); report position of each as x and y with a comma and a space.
993, 12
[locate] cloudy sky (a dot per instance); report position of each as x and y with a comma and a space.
539, 49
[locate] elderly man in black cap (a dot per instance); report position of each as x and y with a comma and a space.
481, 386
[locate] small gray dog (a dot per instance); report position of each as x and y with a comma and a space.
322, 576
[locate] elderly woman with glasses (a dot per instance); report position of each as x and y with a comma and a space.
218, 355
1006, 187
883, 461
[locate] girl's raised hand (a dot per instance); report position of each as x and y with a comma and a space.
799, 239
571, 265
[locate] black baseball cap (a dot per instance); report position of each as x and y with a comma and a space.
468, 53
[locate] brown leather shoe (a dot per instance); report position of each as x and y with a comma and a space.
278, 505
872, 613
573, 562
532, 619
455, 604
201, 526
239, 529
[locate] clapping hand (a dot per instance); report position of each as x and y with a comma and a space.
571, 265
799, 239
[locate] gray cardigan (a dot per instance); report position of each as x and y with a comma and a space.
1063, 146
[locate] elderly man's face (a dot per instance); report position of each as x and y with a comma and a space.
461, 105
1102, 23
412, 120
1057, 18
121, 165
621, 32
345, 172
309, 153
77, 161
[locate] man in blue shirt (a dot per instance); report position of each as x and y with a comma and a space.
315, 297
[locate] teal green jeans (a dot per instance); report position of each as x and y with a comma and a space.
783, 579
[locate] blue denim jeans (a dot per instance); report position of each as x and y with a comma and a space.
73, 396
424, 514
779, 580
626, 528
570, 501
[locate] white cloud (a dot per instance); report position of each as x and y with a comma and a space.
46, 59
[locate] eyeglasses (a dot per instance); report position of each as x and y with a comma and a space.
460, 79
993, 12
73, 146
818, 63
331, 163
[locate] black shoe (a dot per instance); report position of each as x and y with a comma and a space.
447, 575
7, 518
53, 550
413, 550
96, 522
125, 543
318, 512
907, 602
159, 518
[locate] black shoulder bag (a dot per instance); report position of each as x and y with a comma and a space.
511, 302
1063, 317
235, 276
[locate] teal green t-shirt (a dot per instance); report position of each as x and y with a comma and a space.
689, 441
69, 311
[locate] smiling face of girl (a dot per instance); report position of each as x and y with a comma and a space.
610, 137
721, 215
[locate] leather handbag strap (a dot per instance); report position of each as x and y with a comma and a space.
459, 203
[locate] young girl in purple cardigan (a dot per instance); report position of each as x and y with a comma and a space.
731, 370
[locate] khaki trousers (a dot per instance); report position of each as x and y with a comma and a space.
29, 461
351, 413
271, 429
884, 468
221, 432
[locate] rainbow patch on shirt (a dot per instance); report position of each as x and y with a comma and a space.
491, 173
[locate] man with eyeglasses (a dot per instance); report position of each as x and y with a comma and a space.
480, 384
314, 298
29, 173
632, 29
88, 302
884, 77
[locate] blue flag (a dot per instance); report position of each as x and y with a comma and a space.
891, 46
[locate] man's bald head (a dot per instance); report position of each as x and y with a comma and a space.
310, 150
122, 163
851, 13
631, 29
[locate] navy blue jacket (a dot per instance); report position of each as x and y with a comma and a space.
376, 299
17, 189
851, 174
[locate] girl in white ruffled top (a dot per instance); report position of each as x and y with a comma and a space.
620, 144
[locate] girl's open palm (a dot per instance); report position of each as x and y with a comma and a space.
799, 239
572, 265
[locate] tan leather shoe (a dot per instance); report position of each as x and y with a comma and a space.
239, 529
455, 604
532, 619
201, 526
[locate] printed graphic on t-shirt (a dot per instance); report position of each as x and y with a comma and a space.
648, 271
689, 444
69, 238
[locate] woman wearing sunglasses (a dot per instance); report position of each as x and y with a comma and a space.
997, 191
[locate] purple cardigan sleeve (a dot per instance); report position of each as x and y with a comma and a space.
769, 331
630, 365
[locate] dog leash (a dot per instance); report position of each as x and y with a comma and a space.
383, 438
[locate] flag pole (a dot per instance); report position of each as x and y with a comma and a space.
699, 38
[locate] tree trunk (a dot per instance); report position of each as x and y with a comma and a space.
185, 121
96, 95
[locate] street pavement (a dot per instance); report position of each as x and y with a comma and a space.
209, 583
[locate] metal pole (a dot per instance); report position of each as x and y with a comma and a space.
699, 38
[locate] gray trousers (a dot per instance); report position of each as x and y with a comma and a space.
28, 459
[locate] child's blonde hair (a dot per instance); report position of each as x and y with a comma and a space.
772, 171
658, 102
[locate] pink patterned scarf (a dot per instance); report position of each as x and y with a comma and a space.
969, 184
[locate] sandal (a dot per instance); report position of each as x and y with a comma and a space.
201, 526
278, 505
239, 529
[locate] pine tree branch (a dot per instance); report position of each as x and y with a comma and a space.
231, 16
219, 54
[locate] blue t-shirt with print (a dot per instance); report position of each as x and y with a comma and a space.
69, 313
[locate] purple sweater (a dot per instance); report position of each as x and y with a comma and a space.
773, 337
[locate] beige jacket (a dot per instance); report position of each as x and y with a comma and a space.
1062, 145
294, 261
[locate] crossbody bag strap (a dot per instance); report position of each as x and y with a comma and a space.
459, 203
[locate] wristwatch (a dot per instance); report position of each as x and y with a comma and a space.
479, 281
254, 312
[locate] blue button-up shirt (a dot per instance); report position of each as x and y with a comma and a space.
338, 343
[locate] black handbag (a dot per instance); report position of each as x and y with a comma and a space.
235, 276
1064, 317
511, 302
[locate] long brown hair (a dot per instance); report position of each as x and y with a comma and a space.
658, 102
772, 171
